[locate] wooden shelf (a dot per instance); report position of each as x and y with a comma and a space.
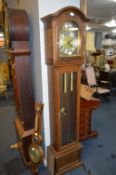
19, 52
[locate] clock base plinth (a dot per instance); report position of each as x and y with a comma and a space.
64, 160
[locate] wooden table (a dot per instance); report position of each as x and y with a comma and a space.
86, 109
95, 54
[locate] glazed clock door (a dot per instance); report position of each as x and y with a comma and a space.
67, 105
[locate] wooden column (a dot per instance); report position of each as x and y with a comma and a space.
83, 6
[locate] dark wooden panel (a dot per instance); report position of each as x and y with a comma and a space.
19, 42
86, 109
24, 83
18, 25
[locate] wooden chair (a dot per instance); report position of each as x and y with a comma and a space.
3, 83
101, 89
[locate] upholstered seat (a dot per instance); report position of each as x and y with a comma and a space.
101, 89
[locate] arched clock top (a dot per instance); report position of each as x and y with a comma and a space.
65, 32
18, 25
70, 11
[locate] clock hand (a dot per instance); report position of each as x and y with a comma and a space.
73, 42
69, 42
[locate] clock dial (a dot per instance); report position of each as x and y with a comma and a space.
69, 40
35, 153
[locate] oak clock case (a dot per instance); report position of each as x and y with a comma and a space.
64, 48
19, 50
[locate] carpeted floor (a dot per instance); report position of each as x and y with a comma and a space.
98, 155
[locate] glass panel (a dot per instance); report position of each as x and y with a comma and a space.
69, 39
68, 107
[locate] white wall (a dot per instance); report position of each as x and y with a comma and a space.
36, 11
50, 6
11, 3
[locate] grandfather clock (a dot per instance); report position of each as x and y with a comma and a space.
64, 48
17, 40
16, 27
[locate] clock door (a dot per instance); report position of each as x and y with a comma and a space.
67, 106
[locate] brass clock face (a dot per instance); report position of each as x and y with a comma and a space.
69, 40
